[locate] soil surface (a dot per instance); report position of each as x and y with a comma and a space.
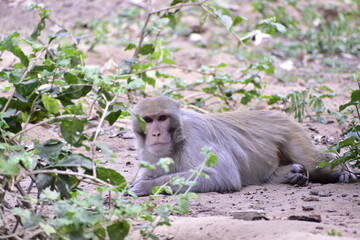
320, 211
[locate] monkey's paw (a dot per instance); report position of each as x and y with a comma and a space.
298, 175
346, 176
140, 188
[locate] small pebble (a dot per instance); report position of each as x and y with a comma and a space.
314, 192
308, 207
325, 194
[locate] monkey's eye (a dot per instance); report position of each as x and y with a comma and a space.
162, 118
148, 119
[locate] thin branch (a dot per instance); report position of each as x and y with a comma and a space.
53, 171
179, 6
108, 103
46, 121
239, 39
175, 67
143, 34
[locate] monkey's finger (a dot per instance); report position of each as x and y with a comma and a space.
346, 176
299, 179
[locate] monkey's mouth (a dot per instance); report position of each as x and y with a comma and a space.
159, 146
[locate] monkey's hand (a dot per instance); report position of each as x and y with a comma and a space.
298, 175
142, 187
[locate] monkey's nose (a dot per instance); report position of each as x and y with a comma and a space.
156, 134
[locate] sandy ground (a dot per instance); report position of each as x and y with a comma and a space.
336, 207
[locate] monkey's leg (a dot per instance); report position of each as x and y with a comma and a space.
299, 150
340, 173
292, 174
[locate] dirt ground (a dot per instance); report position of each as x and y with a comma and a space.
335, 208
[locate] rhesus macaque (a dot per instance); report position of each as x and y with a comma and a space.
253, 147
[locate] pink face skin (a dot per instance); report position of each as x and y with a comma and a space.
158, 137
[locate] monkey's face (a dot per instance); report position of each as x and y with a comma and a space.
158, 134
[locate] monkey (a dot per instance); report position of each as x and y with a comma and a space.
252, 148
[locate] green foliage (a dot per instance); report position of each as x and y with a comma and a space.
333, 232
327, 29
51, 85
300, 103
347, 150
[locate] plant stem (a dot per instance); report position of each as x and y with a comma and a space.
53, 171
46, 121
143, 34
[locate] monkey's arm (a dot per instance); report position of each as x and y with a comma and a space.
215, 183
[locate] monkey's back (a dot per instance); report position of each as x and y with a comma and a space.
247, 143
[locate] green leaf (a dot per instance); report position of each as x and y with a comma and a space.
172, 20
272, 98
25, 158
28, 87
149, 80
105, 149
50, 195
118, 230
51, 146
70, 78
355, 96
279, 27
61, 33
76, 92
237, 20
38, 29
43, 181
147, 49
136, 83
355, 100
164, 163
347, 142
9, 166
141, 122
162, 189
111, 176
28, 219
323, 164
202, 20
226, 20
71, 130
147, 165
113, 116
211, 159
221, 65
76, 160
9, 44
48, 229
184, 201
174, 2
51, 104
130, 46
